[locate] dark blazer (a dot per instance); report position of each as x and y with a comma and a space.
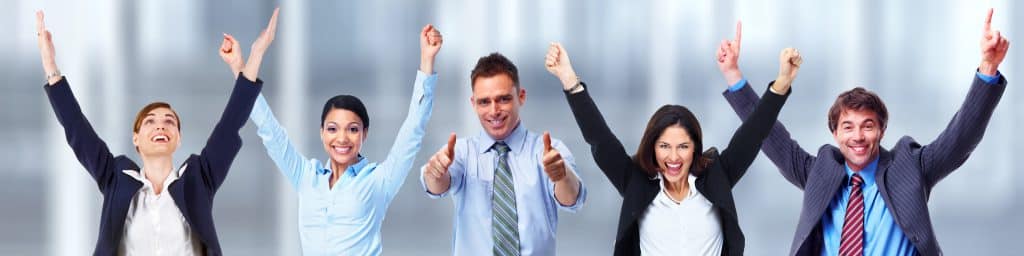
193, 192
905, 176
639, 190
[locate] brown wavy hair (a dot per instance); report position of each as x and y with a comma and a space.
665, 117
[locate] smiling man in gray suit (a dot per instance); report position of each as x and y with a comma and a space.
860, 198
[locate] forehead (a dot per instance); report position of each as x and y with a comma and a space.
674, 134
161, 112
493, 86
342, 117
857, 116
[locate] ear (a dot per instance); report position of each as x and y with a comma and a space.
472, 101
135, 139
522, 96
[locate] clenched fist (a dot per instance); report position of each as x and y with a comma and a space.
789, 64
557, 63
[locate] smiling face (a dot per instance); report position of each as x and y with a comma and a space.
858, 135
157, 132
496, 100
342, 134
674, 152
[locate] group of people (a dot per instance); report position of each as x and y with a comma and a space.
508, 182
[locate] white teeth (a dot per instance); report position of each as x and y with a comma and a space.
160, 138
674, 165
342, 150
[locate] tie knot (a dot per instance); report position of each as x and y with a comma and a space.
856, 180
501, 147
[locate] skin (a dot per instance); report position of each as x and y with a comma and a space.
674, 152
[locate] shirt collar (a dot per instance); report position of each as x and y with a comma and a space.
867, 174
353, 169
515, 140
140, 175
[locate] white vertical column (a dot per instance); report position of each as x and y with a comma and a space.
853, 57
664, 54
293, 37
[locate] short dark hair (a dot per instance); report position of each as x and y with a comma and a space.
150, 107
665, 117
857, 99
346, 102
492, 65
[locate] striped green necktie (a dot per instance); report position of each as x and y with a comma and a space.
504, 219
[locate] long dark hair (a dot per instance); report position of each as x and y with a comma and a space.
667, 116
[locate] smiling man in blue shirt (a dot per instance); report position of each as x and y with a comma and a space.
507, 182
342, 202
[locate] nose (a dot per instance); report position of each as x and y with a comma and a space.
676, 155
494, 109
859, 135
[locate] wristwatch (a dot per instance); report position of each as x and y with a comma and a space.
55, 73
577, 88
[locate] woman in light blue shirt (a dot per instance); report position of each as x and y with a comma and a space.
342, 202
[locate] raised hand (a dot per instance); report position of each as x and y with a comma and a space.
259, 47
553, 163
789, 64
437, 166
231, 53
430, 44
728, 56
993, 48
557, 63
46, 51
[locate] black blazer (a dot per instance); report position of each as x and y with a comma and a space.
193, 192
905, 176
639, 190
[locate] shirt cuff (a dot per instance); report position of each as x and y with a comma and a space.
990, 79
738, 85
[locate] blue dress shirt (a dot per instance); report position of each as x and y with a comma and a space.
346, 220
472, 173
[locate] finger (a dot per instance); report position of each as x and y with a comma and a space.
739, 32
988, 20
547, 142
451, 145
272, 26
40, 23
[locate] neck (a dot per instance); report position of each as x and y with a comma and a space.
156, 169
337, 169
678, 189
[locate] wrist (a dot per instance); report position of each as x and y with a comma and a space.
569, 80
782, 84
732, 76
987, 68
427, 65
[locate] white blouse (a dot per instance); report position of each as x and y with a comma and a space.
691, 227
154, 224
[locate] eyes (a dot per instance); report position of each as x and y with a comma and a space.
166, 121
869, 126
505, 99
667, 146
353, 128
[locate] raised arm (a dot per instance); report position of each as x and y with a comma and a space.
608, 152
745, 143
963, 133
90, 150
225, 142
409, 140
792, 160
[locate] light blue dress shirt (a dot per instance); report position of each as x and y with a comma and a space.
472, 173
346, 220
881, 234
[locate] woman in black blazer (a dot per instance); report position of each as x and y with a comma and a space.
670, 181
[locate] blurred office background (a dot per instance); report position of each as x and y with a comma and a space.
918, 55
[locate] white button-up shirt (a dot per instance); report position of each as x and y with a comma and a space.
154, 224
691, 227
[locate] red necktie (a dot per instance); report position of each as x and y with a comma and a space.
852, 242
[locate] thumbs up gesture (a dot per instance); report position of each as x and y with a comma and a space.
993, 47
437, 166
553, 163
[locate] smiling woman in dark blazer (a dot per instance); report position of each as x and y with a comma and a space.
136, 207
677, 199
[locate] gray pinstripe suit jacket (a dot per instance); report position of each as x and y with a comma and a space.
906, 174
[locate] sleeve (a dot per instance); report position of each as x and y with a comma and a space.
409, 140
292, 164
746, 141
225, 142
792, 160
608, 152
963, 133
90, 150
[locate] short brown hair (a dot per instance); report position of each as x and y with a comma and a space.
150, 107
857, 99
492, 65
665, 117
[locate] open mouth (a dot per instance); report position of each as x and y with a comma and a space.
343, 150
860, 150
673, 169
496, 122
160, 139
